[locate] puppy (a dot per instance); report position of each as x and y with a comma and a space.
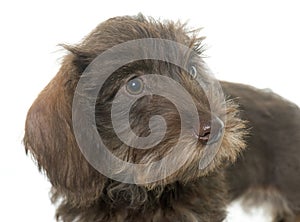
246, 145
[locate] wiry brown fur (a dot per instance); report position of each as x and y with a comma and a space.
269, 169
82, 193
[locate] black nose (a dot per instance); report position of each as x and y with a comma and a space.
211, 131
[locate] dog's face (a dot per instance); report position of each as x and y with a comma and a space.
49, 128
131, 84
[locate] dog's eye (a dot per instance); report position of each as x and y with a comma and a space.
135, 86
193, 71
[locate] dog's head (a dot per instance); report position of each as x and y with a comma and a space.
53, 138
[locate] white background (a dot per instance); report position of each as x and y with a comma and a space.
253, 42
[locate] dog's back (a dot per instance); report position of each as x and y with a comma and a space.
269, 170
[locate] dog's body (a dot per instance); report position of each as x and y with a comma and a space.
267, 171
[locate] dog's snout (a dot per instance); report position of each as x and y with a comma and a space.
204, 131
211, 131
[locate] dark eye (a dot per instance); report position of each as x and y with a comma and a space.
135, 86
193, 71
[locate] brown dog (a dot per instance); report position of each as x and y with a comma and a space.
267, 171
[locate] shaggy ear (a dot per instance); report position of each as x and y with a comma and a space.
81, 58
50, 140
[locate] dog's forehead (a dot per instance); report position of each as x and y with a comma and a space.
122, 29
117, 31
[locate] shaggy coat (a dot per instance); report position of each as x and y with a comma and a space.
268, 170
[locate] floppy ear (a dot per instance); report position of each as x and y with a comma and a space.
49, 138
81, 57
